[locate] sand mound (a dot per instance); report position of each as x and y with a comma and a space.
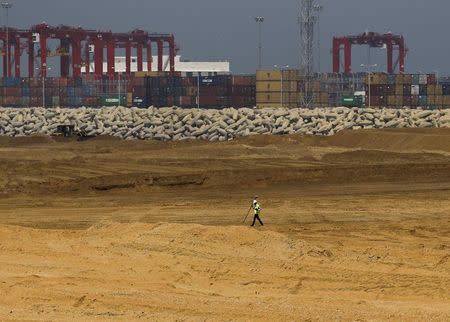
192, 272
199, 240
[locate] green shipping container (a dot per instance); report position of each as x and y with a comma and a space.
352, 101
114, 101
416, 79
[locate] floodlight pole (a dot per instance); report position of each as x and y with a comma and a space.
7, 6
259, 20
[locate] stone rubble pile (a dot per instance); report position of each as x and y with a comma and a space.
214, 125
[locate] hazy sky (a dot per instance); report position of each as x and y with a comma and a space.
225, 30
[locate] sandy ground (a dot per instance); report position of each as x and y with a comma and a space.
357, 229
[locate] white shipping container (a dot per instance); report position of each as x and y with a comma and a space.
422, 79
415, 89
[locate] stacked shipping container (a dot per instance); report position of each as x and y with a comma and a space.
381, 90
329, 89
277, 88
288, 88
269, 88
405, 90
150, 89
243, 91
217, 91
214, 91
65, 92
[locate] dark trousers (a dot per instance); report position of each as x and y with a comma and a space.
256, 217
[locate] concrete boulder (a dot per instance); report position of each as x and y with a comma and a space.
173, 123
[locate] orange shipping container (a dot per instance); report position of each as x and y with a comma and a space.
244, 80
267, 105
294, 97
191, 91
187, 100
290, 74
399, 79
275, 86
377, 78
12, 91
407, 79
63, 82
446, 101
273, 97
268, 75
431, 89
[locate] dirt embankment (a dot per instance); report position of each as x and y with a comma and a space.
41, 165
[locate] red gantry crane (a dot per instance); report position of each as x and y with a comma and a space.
75, 46
374, 40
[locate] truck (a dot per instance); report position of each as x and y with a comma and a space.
358, 99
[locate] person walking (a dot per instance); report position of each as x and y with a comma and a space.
257, 210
